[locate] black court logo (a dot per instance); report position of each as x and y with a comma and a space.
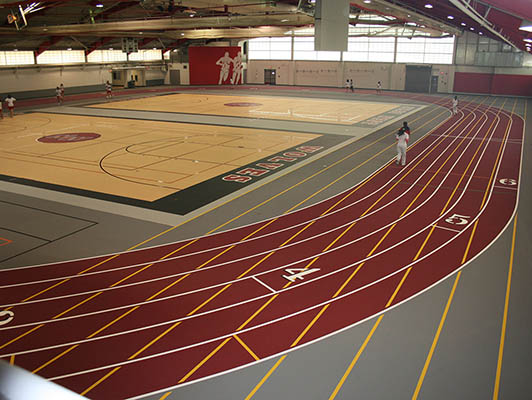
69, 137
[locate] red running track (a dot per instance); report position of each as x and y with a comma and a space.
195, 302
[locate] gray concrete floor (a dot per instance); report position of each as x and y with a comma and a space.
49, 227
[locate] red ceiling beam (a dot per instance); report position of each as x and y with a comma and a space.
96, 45
47, 44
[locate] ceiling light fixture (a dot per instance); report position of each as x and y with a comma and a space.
471, 29
463, 24
99, 5
526, 26
367, 1
480, 33
450, 17
429, 6
527, 40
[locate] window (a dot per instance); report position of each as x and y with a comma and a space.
145, 55
16, 58
270, 48
102, 56
376, 49
304, 50
61, 57
425, 50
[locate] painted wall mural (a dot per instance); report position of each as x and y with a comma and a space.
216, 65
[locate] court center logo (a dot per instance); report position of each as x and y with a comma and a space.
69, 137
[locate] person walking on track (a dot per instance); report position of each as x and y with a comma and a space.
455, 105
108, 90
10, 101
58, 95
402, 138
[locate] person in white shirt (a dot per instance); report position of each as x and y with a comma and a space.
108, 90
10, 101
455, 105
58, 95
402, 138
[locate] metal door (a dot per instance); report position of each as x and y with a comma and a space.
175, 77
434, 84
269, 76
418, 78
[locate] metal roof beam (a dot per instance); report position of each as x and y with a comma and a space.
47, 44
467, 9
96, 45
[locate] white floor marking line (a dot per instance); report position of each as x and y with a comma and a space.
254, 255
257, 237
263, 284
285, 289
53, 264
317, 339
448, 229
101, 311
505, 187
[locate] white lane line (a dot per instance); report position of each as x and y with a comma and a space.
318, 305
263, 284
448, 229
265, 235
505, 187
216, 233
254, 255
305, 282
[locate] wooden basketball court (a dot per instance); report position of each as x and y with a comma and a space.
138, 159
285, 108
149, 163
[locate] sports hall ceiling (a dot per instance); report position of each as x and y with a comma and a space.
168, 24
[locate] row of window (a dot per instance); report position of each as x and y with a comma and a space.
376, 49
77, 56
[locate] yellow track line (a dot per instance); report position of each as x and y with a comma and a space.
327, 247
173, 252
265, 378
505, 316
380, 318
245, 346
264, 258
444, 316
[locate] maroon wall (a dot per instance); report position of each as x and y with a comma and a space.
517, 85
202, 63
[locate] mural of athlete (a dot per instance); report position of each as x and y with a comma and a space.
225, 63
237, 69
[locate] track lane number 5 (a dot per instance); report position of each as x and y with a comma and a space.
457, 219
6, 317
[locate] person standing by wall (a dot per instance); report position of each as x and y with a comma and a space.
62, 89
347, 85
352, 86
402, 137
455, 105
379, 86
10, 101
